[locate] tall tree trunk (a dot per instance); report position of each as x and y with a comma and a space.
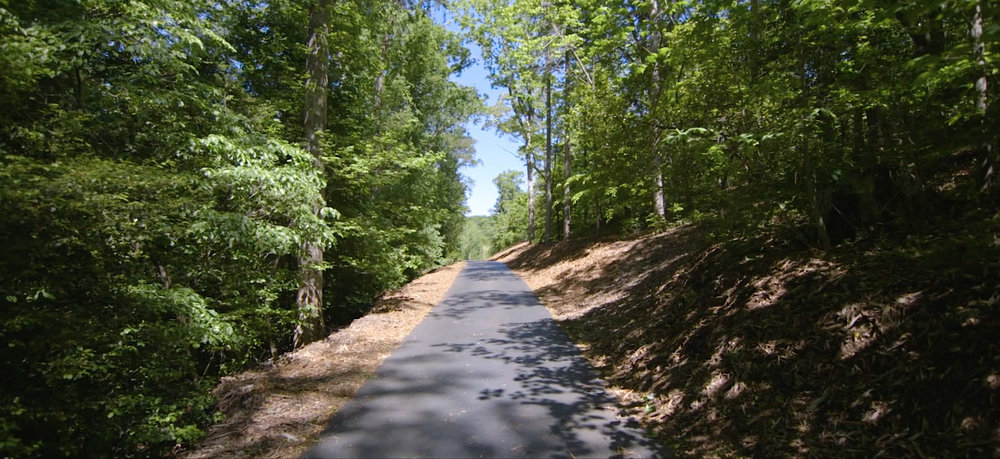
380, 81
987, 163
383, 72
659, 200
548, 148
529, 159
567, 150
818, 202
309, 301
815, 191
597, 216
756, 55
78, 80
867, 163
526, 119
567, 194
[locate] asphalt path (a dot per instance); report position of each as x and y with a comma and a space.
486, 374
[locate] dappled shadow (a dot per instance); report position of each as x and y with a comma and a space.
279, 409
637, 264
550, 373
558, 369
269, 410
546, 253
763, 348
459, 306
487, 374
487, 272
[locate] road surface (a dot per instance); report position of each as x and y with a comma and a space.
486, 374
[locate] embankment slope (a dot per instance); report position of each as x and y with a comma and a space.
761, 346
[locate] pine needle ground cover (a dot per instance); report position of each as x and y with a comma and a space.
279, 410
761, 346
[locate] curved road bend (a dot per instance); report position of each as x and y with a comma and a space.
486, 374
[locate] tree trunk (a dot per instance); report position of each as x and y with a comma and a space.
817, 198
868, 207
987, 164
597, 216
659, 200
380, 78
567, 150
529, 159
380, 83
309, 301
756, 44
567, 194
548, 148
79, 88
526, 119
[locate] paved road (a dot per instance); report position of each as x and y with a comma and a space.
486, 374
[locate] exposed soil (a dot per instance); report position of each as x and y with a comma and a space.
756, 346
280, 410
764, 347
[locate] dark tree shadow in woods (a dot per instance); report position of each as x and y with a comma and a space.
463, 387
759, 347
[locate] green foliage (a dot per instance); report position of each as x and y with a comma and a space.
143, 260
155, 199
510, 213
838, 115
394, 170
476, 239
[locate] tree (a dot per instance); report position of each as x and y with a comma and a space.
510, 213
170, 174
309, 302
477, 236
694, 104
655, 89
987, 160
548, 145
567, 165
512, 42
168, 211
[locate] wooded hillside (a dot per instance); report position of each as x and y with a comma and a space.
836, 294
761, 346
843, 117
189, 187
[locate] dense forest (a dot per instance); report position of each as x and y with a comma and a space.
191, 187
843, 118
822, 178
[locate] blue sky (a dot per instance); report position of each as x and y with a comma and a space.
496, 153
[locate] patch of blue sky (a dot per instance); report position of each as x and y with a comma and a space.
496, 152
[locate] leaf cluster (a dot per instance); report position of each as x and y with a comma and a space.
839, 117
156, 198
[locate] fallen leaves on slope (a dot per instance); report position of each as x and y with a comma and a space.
279, 410
763, 347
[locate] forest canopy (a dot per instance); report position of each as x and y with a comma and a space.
177, 174
840, 117
191, 187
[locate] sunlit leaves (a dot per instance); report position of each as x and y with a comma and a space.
803, 102
510, 212
151, 212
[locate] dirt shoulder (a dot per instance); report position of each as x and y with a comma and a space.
763, 347
279, 411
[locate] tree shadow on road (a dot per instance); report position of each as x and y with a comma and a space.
520, 389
